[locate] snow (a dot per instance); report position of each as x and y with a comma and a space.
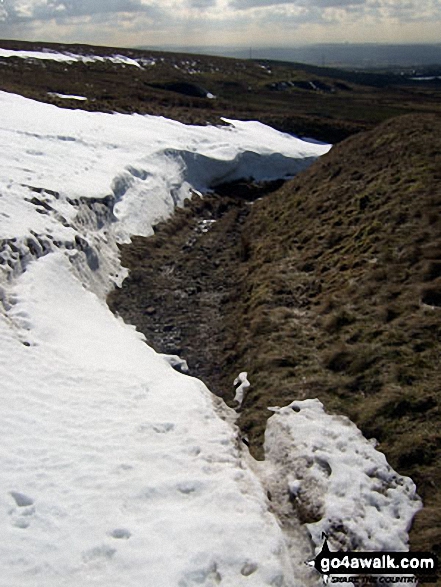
176, 362
43, 55
149, 164
241, 389
67, 96
66, 57
117, 469
340, 483
425, 79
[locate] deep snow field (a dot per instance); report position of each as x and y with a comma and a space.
116, 469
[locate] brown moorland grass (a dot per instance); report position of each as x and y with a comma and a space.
341, 299
323, 103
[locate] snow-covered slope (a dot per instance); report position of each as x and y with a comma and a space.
115, 469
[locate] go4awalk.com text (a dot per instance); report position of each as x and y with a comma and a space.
376, 568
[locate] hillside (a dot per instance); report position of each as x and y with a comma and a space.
342, 293
329, 287
326, 104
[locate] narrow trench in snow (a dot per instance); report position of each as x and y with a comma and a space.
183, 289
183, 293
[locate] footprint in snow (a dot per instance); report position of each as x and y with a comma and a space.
120, 534
100, 553
159, 427
21, 515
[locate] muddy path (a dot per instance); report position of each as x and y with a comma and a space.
182, 291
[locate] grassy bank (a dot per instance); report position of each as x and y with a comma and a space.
341, 298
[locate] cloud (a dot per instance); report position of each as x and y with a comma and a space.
82, 7
239, 22
247, 4
201, 4
89, 21
409, 10
44, 10
344, 20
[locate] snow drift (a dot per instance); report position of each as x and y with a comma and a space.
115, 468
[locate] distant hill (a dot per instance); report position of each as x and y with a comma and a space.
362, 56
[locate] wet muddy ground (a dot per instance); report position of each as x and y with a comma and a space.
183, 285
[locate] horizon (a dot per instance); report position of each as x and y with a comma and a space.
300, 45
367, 55
236, 46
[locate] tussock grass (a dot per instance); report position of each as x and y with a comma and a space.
345, 267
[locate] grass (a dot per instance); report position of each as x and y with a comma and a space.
345, 269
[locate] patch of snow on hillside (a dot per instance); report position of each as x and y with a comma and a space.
67, 57
67, 96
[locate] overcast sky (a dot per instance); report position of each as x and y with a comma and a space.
249, 23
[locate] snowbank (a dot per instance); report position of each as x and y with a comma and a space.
116, 469
66, 57
338, 482
58, 166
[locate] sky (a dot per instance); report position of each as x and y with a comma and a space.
247, 23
